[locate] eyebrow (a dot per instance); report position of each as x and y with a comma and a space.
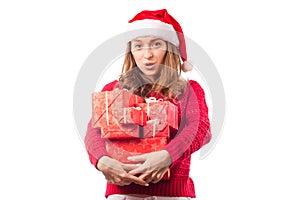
136, 40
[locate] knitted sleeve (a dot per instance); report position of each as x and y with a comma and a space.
94, 143
195, 126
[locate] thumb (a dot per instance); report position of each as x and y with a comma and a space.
138, 158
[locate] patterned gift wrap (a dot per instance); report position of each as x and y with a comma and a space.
164, 112
122, 149
137, 120
132, 115
106, 105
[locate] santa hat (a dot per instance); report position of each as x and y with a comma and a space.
161, 24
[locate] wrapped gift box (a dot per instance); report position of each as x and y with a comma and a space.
164, 111
131, 131
160, 115
106, 105
102, 102
121, 149
132, 115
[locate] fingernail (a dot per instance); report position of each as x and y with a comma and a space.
129, 158
147, 184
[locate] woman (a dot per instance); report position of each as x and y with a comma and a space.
152, 68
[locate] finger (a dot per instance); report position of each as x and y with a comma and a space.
159, 175
155, 181
129, 167
144, 176
127, 182
117, 180
136, 180
144, 168
138, 158
157, 178
150, 178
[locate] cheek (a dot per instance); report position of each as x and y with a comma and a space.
161, 56
137, 57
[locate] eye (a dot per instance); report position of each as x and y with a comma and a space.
136, 46
157, 44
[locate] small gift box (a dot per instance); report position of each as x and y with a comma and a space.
164, 112
132, 115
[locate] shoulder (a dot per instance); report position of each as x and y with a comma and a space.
110, 86
194, 87
192, 90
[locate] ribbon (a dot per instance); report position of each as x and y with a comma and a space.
106, 108
126, 110
154, 122
151, 100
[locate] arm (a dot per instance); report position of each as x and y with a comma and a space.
95, 145
196, 130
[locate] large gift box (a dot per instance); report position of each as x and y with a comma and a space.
121, 149
109, 104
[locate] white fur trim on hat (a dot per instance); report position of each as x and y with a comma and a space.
150, 27
187, 66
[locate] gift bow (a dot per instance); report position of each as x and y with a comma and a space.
151, 100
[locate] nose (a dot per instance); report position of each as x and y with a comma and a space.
147, 53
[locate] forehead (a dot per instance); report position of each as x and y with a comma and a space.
146, 39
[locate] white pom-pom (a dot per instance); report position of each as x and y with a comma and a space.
187, 66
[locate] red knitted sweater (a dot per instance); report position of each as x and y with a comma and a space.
193, 133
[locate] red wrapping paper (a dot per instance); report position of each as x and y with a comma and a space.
121, 115
132, 115
165, 111
122, 149
103, 103
155, 117
106, 105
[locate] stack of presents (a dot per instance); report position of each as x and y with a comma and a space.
131, 124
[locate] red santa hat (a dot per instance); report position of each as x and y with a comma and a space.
161, 24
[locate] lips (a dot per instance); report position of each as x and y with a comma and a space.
149, 64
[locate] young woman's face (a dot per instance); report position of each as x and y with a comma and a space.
149, 53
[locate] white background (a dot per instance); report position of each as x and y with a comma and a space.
254, 45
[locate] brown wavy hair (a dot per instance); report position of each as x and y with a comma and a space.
169, 83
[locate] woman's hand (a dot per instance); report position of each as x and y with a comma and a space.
116, 172
153, 165
155, 176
